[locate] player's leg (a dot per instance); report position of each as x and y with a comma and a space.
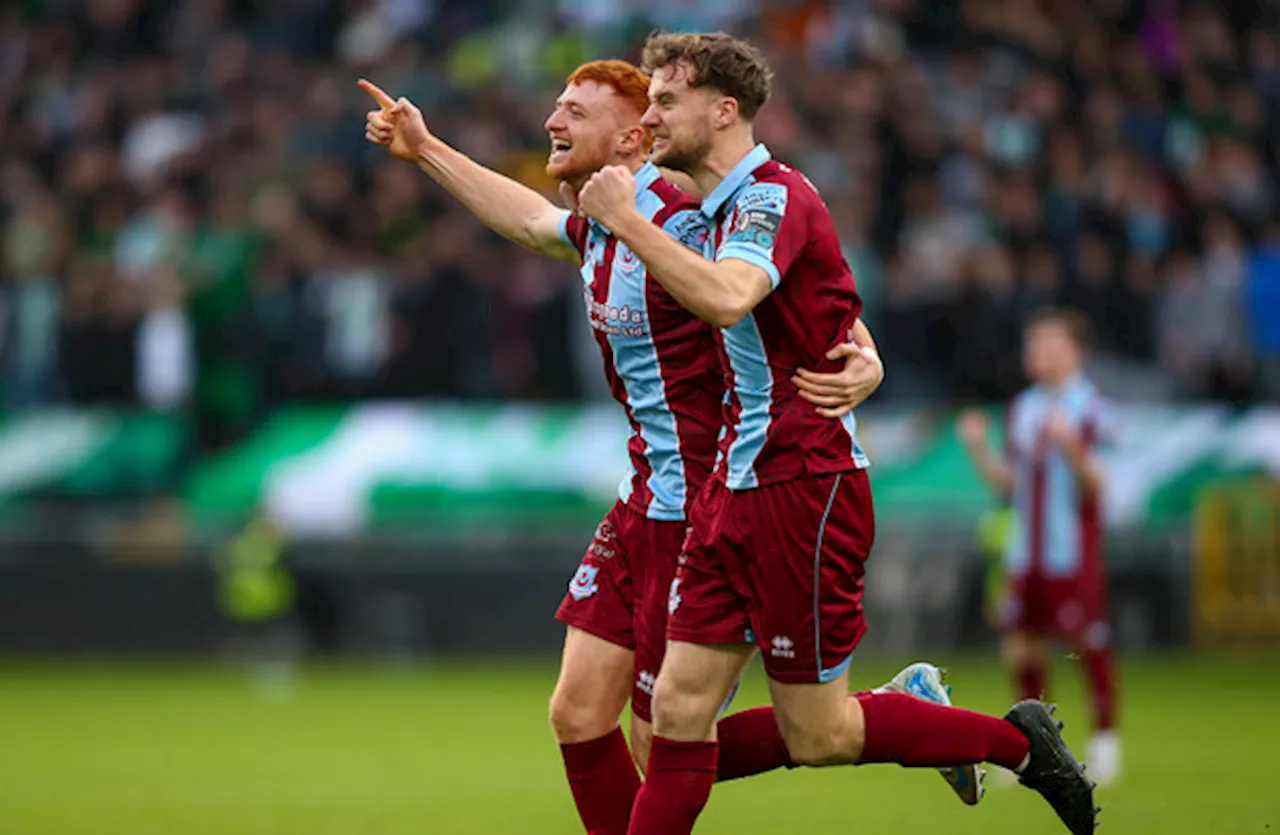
813, 610
654, 570
593, 687
1026, 656
751, 742
704, 658
1025, 620
595, 681
590, 695
822, 726
1097, 659
693, 684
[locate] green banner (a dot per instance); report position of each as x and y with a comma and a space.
340, 470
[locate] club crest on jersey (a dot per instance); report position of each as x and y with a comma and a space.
583, 584
625, 261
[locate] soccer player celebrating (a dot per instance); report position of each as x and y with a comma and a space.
779, 534
1056, 583
663, 367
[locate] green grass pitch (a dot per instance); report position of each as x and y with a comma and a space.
464, 749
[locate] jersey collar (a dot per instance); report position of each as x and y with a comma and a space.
646, 176
735, 179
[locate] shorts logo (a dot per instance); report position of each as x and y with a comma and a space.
783, 647
673, 599
645, 681
583, 584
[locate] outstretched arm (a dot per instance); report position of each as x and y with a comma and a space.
507, 207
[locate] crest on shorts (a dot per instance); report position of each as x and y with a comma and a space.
583, 584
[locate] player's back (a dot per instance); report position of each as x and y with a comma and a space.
1057, 525
660, 360
770, 215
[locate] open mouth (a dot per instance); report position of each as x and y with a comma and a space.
560, 148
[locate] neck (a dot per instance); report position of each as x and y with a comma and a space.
1060, 381
722, 158
632, 163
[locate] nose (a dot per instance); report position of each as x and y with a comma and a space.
554, 122
650, 118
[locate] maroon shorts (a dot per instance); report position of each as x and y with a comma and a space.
779, 565
1071, 608
619, 592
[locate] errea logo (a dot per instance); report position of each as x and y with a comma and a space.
783, 647
645, 681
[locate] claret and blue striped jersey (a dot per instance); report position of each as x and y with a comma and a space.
770, 215
1058, 528
661, 361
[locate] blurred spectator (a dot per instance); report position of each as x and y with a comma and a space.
192, 220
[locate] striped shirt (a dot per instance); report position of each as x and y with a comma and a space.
770, 215
1057, 528
660, 359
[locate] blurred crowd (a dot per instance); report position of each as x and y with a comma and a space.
191, 217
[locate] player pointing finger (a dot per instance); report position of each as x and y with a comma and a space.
397, 124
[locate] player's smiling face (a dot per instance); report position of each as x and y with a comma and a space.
679, 117
586, 129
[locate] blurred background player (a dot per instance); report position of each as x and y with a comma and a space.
779, 536
1055, 574
663, 367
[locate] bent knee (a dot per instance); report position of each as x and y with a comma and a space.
817, 750
577, 719
835, 739
682, 713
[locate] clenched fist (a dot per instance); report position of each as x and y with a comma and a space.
609, 193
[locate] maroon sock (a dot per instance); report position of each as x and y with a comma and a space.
603, 780
1100, 672
1032, 682
676, 787
905, 730
750, 743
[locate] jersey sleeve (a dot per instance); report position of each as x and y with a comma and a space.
573, 231
689, 227
767, 229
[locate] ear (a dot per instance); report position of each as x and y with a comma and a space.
726, 110
631, 142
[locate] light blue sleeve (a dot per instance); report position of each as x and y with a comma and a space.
757, 234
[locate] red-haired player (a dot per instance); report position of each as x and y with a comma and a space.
663, 367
